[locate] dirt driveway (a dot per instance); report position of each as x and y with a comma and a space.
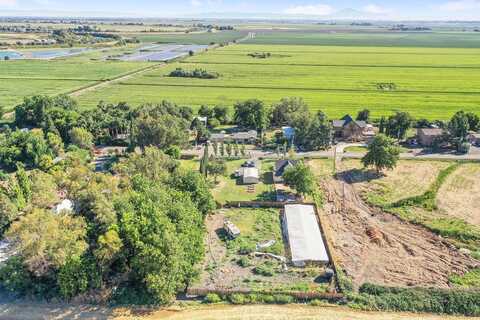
29, 311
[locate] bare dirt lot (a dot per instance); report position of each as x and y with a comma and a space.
379, 248
29, 311
460, 194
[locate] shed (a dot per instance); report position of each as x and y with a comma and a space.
303, 234
428, 136
250, 175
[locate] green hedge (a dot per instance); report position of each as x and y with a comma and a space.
451, 301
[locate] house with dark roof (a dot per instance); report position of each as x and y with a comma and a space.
353, 130
280, 167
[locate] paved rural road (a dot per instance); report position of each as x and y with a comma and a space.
474, 154
103, 83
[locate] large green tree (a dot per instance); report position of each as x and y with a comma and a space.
46, 241
459, 126
300, 178
397, 125
382, 153
251, 114
284, 111
161, 126
163, 236
312, 132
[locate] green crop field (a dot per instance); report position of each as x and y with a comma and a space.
22, 78
373, 38
430, 83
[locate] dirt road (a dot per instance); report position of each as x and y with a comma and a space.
119, 78
254, 312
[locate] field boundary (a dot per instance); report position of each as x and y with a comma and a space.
299, 88
101, 83
333, 65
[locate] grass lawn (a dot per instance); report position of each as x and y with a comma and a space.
227, 188
336, 80
256, 225
356, 149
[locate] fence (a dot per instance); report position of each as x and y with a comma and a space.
261, 204
298, 295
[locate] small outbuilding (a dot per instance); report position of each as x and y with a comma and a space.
250, 175
304, 237
428, 136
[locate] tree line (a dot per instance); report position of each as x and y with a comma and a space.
135, 234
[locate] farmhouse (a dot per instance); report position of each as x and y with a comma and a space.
352, 130
303, 234
280, 167
428, 136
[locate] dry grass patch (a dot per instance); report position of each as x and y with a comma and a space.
459, 196
409, 178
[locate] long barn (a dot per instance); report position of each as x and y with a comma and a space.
304, 236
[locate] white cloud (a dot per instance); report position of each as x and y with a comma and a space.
316, 9
376, 9
8, 3
460, 5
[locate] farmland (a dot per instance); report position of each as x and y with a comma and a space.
30, 77
336, 80
374, 38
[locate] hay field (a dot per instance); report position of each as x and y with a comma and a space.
430, 83
410, 178
459, 196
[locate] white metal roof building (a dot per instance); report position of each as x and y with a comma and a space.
250, 176
304, 236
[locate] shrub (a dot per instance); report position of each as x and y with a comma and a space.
245, 247
244, 262
212, 298
373, 297
283, 299
237, 298
267, 298
317, 303
265, 270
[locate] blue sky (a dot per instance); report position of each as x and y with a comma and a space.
405, 9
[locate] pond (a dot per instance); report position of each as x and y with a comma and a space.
162, 52
10, 55
42, 54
